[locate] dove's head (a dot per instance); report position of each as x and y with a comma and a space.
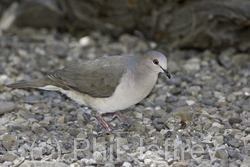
156, 61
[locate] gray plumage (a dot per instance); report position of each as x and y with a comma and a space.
106, 84
90, 77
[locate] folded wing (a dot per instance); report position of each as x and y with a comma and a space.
98, 78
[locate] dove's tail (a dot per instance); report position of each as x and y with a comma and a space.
37, 83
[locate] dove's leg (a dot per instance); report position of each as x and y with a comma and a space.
122, 118
104, 123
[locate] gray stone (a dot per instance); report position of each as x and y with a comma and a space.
32, 99
173, 66
18, 161
233, 165
246, 107
226, 56
42, 164
221, 154
10, 156
6, 107
235, 142
231, 98
171, 99
235, 119
8, 163
174, 119
126, 164
109, 164
8, 137
194, 90
246, 161
192, 64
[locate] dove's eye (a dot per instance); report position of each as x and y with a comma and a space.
156, 62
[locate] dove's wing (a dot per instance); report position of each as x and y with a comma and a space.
98, 78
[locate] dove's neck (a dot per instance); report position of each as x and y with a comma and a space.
144, 78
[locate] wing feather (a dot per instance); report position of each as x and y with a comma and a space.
98, 78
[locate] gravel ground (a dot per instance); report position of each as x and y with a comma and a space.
201, 117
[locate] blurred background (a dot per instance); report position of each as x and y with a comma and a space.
185, 24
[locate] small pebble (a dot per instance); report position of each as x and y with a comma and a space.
61, 119
8, 137
6, 107
10, 156
126, 164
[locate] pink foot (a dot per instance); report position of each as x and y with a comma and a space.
104, 123
122, 118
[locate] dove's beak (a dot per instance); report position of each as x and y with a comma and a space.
166, 72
